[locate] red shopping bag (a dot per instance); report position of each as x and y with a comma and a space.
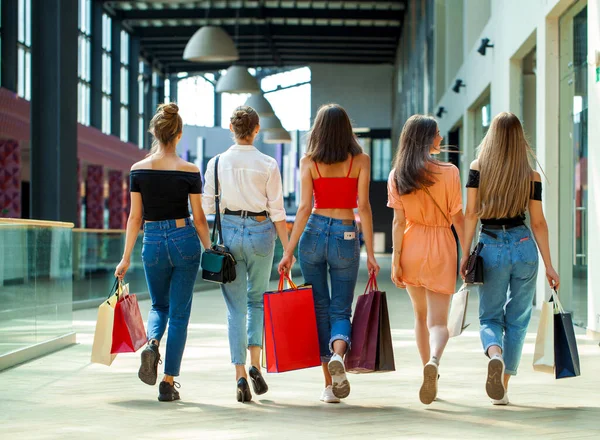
128, 328
291, 338
362, 357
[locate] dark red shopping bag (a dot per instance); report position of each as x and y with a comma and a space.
362, 357
291, 338
128, 328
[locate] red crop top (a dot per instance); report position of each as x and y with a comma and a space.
336, 192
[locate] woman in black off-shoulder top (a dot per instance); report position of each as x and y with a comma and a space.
501, 189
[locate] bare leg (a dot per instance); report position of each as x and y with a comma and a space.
418, 298
168, 379
328, 380
255, 356
240, 371
437, 322
339, 347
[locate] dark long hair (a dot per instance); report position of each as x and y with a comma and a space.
412, 160
331, 138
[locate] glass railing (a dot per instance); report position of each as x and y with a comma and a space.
36, 286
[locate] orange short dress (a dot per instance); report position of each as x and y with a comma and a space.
428, 256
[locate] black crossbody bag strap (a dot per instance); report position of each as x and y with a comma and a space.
217, 224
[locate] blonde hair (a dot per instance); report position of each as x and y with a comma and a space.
244, 120
165, 126
505, 169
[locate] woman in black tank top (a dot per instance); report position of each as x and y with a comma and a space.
502, 187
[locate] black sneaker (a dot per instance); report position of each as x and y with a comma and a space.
150, 360
167, 392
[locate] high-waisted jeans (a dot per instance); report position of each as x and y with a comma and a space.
506, 298
171, 258
252, 244
330, 244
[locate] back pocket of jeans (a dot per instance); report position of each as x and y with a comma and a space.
347, 249
527, 252
262, 243
491, 257
150, 253
188, 246
308, 242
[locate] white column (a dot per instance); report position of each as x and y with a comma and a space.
593, 168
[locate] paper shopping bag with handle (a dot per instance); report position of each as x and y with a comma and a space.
128, 328
362, 356
543, 354
385, 347
101, 348
566, 356
458, 312
290, 326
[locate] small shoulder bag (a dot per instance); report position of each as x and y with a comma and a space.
218, 264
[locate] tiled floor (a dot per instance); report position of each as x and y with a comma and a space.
63, 396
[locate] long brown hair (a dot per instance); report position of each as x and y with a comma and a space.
244, 120
331, 138
165, 126
411, 165
504, 169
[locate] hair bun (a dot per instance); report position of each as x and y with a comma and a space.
169, 109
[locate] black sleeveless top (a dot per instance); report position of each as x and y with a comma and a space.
536, 194
165, 193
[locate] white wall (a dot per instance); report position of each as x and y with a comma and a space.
514, 28
364, 91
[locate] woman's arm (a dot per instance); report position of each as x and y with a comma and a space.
302, 214
200, 222
398, 227
275, 204
539, 227
470, 224
365, 213
134, 223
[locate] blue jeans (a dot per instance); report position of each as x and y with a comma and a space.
506, 298
171, 258
252, 244
323, 245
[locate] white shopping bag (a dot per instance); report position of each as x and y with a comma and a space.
458, 312
543, 355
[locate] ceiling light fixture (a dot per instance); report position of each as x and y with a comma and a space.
277, 136
270, 123
237, 79
210, 44
259, 103
441, 112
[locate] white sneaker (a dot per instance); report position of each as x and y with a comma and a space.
494, 385
340, 386
328, 397
503, 401
428, 391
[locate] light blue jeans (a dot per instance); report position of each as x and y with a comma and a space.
327, 244
171, 258
252, 244
506, 298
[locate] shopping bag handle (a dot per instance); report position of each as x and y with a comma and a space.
112, 289
557, 304
371, 284
282, 278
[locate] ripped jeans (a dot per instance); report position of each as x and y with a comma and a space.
330, 244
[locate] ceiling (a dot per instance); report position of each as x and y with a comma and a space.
267, 33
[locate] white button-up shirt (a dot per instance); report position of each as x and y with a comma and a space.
248, 180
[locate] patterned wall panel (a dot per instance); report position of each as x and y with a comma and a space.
10, 179
94, 197
126, 202
115, 200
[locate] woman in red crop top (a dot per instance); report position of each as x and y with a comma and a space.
337, 173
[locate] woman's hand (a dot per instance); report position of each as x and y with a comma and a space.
372, 266
122, 268
553, 278
397, 276
286, 263
463, 266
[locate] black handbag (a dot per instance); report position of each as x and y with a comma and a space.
474, 271
218, 264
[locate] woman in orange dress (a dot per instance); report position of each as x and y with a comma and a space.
426, 196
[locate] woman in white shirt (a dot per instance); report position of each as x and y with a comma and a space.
252, 204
